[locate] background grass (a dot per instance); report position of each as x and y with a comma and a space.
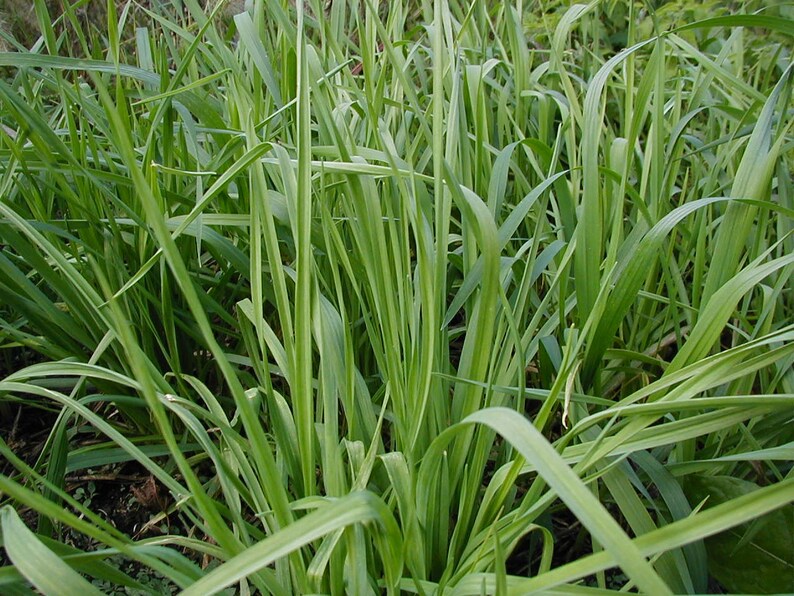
429, 297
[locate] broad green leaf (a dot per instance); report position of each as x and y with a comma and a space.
756, 558
695, 527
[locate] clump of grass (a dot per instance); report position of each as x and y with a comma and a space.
379, 299
84, 23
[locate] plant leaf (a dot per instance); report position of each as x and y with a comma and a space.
38, 564
754, 558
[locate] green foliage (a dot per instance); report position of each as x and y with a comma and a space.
148, 582
428, 298
766, 545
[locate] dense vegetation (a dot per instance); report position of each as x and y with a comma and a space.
431, 297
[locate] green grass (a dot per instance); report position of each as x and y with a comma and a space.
428, 298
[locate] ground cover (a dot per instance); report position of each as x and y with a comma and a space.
431, 297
